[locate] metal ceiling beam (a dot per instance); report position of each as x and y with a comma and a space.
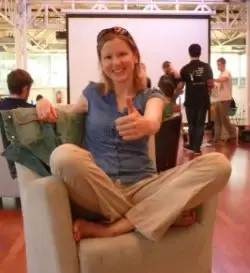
7, 12
230, 16
50, 15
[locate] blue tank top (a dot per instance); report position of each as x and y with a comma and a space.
127, 161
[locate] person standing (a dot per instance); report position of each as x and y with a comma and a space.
168, 83
198, 78
222, 105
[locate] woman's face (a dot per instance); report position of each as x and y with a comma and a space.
118, 61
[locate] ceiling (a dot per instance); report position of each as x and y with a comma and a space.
47, 18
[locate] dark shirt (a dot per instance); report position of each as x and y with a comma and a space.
13, 103
196, 75
9, 104
168, 83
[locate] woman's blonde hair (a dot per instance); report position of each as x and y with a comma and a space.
121, 33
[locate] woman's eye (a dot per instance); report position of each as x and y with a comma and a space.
123, 53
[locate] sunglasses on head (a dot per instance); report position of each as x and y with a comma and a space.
116, 30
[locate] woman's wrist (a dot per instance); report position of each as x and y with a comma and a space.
151, 126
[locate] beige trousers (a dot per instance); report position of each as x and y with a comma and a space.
153, 204
221, 120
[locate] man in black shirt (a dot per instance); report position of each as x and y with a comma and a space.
198, 78
19, 84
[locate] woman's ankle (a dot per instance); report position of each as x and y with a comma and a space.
83, 228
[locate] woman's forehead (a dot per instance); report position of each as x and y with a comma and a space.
115, 44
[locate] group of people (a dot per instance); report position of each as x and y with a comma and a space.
197, 77
112, 174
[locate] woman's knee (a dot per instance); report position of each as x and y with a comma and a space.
218, 166
64, 156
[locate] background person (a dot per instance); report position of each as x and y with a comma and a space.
222, 104
168, 82
198, 78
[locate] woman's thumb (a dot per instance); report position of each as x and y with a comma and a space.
130, 106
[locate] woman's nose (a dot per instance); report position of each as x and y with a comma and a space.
116, 61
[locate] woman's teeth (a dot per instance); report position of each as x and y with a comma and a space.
118, 70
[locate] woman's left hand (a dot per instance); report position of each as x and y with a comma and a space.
133, 126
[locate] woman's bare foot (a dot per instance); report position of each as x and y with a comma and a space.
86, 229
187, 218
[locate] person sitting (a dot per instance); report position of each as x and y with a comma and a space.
112, 173
19, 83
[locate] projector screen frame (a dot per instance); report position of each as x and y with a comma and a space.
127, 15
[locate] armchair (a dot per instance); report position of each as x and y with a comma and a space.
50, 247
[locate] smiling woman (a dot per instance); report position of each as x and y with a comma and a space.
113, 175
119, 58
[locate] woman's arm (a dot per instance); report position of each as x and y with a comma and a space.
47, 112
81, 106
153, 114
135, 126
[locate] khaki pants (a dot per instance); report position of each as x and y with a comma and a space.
221, 120
152, 204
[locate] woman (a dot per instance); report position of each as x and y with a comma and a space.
113, 175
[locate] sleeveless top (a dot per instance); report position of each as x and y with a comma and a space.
127, 161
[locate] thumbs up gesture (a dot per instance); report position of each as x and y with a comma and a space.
130, 106
132, 126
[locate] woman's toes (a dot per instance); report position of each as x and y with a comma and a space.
78, 229
186, 219
76, 236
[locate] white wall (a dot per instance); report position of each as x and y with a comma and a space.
158, 39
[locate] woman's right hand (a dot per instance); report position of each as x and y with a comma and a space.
45, 111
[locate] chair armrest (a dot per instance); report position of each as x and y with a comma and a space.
207, 212
50, 246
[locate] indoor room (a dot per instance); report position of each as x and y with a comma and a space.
125, 136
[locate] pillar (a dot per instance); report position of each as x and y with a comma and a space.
248, 65
239, 69
21, 34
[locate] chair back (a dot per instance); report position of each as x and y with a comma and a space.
163, 147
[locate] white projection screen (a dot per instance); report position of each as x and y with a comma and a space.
159, 38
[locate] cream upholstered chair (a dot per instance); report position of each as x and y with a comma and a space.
8, 185
50, 247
